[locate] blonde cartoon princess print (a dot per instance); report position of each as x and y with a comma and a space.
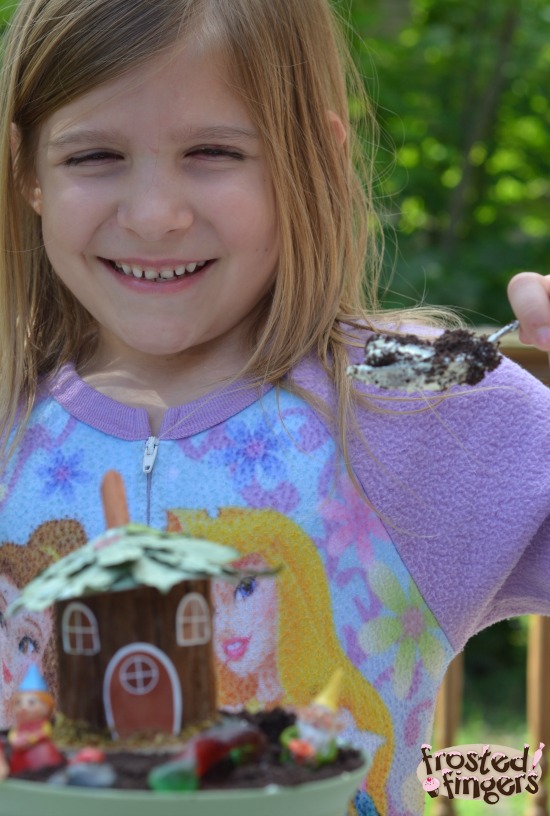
275, 641
26, 638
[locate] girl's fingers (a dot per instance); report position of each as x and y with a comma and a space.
529, 295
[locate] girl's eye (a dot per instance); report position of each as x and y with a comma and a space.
27, 645
216, 153
245, 589
91, 158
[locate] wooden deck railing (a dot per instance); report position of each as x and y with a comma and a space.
448, 713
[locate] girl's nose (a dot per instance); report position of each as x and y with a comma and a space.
155, 205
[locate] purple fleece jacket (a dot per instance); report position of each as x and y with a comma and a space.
463, 486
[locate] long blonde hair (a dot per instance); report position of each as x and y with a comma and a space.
290, 63
308, 649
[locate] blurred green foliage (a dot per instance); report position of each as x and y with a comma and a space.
6, 10
461, 88
495, 679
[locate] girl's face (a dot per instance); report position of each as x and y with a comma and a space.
246, 620
23, 639
158, 210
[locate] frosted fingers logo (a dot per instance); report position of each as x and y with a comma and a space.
479, 771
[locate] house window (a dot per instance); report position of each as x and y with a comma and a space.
79, 629
193, 620
139, 674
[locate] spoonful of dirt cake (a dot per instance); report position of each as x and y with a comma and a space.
409, 363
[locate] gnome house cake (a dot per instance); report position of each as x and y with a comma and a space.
133, 622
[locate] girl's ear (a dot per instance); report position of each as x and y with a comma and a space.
34, 198
338, 128
32, 193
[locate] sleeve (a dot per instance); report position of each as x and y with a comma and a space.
526, 589
463, 488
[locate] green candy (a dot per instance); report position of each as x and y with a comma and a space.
178, 775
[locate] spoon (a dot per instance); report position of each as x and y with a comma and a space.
510, 327
408, 363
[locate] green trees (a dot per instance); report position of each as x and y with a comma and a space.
464, 168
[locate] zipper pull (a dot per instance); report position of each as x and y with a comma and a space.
151, 448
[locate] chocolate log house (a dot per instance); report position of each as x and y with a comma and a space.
139, 675
133, 622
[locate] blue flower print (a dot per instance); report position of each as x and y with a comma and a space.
62, 473
254, 451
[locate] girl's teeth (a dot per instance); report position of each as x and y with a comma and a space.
163, 274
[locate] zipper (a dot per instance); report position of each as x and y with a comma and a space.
151, 448
149, 456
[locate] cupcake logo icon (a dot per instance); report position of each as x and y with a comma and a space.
484, 772
431, 785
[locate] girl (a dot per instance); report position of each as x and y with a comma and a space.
183, 246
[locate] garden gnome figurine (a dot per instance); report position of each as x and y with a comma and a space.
29, 740
318, 725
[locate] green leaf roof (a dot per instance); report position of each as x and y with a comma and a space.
126, 558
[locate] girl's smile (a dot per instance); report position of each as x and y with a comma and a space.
159, 272
158, 212
139, 275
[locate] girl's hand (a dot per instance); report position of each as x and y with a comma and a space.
529, 296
